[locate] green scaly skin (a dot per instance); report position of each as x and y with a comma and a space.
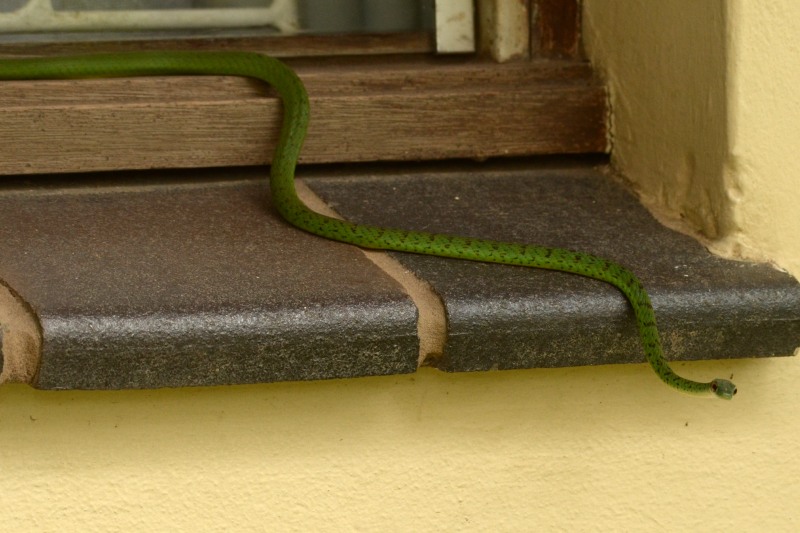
295, 121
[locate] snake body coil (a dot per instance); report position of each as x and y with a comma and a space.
295, 121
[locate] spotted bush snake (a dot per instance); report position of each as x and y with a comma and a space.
292, 135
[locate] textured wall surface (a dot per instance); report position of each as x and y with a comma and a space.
582, 448
664, 64
764, 130
706, 120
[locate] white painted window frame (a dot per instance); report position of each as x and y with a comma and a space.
39, 16
504, 24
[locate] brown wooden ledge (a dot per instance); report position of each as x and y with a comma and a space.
363, 109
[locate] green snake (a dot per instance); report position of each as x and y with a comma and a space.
295, 122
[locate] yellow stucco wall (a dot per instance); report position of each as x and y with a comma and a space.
706, 119
580, 448
605, 448
764, 130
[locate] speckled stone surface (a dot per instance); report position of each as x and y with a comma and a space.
150, 280
516, 317
169, 283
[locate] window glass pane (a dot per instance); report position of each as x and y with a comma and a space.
269, 16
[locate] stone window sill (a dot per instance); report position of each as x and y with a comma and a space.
157, 279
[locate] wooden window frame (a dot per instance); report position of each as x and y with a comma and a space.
369, 103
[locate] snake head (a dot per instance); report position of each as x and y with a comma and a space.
723, 388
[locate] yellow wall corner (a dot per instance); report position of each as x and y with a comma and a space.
706, 121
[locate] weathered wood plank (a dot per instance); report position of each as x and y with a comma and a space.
556, 29
360, 112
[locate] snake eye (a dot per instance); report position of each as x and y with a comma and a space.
714, 387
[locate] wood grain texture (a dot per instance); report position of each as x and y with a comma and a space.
556, 29
409, 109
